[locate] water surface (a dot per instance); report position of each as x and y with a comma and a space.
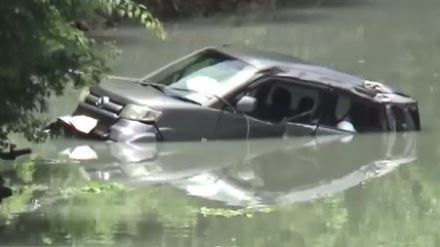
375, 190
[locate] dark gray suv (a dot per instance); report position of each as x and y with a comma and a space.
230, 93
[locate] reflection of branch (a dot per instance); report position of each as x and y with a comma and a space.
5, 192
14, 153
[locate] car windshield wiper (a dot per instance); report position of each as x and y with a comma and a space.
192, 91
184, 99
154, 85
141, 82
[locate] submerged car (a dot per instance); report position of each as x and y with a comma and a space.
230, 93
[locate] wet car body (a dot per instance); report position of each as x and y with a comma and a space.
229, 93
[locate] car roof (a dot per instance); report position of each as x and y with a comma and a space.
291, 67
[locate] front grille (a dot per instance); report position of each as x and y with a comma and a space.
104, 103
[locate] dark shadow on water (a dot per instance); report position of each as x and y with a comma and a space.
5, 192
271, 17
129, 34
329, 3
241, 8
301, 13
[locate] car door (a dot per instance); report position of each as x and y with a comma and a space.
323, 121
284, 107
307, 105
268, 119
292, 106
234, 125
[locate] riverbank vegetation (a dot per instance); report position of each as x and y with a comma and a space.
44, 50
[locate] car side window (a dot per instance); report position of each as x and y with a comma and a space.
278, 101
351, 114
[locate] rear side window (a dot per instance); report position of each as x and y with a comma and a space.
403, 118
367, 117
414, 112
399, 122
362, 115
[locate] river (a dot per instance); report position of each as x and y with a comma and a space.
372, 190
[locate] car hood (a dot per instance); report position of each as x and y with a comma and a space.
126, 90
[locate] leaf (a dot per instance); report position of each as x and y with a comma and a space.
121, 12
137, 12
47, 240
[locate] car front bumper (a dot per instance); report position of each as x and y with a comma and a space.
112, 127
126, 130
123, 130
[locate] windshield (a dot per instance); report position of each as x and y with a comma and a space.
203, 76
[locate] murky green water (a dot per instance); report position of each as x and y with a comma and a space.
378, 190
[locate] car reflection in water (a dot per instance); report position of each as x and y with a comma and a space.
254, 173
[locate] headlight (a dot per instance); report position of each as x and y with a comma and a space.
141, 113
83, 95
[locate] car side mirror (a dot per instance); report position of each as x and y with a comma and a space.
246, 104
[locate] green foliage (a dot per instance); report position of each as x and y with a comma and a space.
18, 203
42, 53
226, 212
97, 188
85, 9
25, 171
